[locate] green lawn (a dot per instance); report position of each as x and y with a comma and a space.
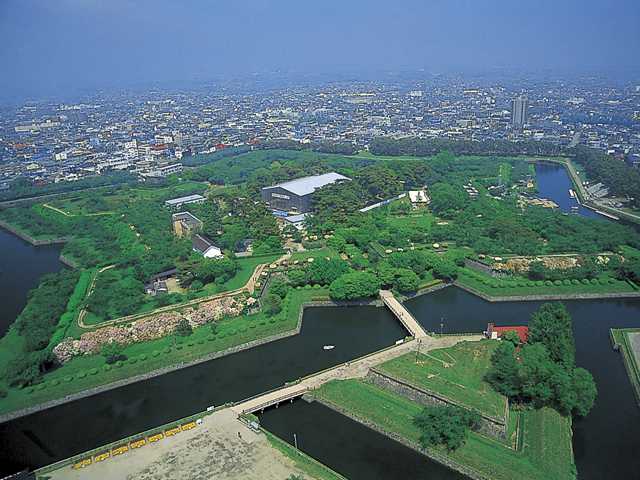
422, 222
315, 253
547, 452
456, 373
246, 267
519, 286
90, 371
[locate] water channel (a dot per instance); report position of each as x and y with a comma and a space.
21, 266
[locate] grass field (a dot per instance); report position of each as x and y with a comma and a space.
315, 253
456, 373
517, 287
627, 340
546, 454
113, 200
90, 371
504, 173
246, 267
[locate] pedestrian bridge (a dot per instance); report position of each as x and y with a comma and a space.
405, 317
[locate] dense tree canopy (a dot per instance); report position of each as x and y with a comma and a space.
445, 425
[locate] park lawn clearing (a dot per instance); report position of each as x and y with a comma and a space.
90, 371
246, 267
314, 253
456, 373
547, 449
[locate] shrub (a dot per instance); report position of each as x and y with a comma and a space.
41, 386
3, 393
132, 360
55, 382
566, 283
211, 338
93, 371
68, 378
190, 344
167, 350
585, 281
594, 281
557, 283
539, 283
106, 367
155, 353
200, 341
112, 352
575, 281
143, 357
118, 364
548, 283
531, 284
179, 346
81, 374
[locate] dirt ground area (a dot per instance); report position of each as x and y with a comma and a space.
213, 450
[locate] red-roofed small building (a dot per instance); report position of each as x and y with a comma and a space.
494, 332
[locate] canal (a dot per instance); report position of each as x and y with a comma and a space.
553, 182
59, 432
21, 266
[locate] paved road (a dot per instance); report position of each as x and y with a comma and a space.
356, 369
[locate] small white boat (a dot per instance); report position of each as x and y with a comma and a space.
328, 347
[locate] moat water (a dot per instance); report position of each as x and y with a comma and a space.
21, 267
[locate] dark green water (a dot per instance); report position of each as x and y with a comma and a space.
21, 266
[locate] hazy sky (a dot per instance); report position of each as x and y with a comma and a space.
50, 46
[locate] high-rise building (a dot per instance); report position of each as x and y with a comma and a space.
519, 111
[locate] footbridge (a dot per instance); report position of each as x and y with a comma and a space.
405, 317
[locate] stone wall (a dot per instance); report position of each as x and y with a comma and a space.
492, 427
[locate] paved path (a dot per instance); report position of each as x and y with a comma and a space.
212, 450
403, 314
356, 369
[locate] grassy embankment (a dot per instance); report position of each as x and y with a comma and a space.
85, 372
546, 451
494, 287
455, 373
307, 464
543, 449
622, 339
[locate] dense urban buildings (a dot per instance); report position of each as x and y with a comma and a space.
150, 135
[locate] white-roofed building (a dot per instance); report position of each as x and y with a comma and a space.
295, 195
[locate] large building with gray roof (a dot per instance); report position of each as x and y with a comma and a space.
295, 195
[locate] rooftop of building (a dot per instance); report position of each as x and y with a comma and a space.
306, 185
